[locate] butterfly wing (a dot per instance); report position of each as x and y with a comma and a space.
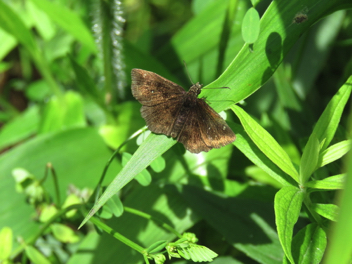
205, 129
161, 100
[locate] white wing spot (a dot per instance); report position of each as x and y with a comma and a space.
224, 128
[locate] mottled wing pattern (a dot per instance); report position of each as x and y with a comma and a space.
161, 100
205, 129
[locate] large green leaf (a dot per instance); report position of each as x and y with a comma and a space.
78, 157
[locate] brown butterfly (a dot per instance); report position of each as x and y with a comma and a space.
168, 109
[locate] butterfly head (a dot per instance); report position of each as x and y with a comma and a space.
195, 89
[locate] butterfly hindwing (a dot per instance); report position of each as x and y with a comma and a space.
205, 129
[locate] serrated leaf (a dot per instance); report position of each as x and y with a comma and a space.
330, 183
251, 26
309, 159
266, 143
287, 205
334, 152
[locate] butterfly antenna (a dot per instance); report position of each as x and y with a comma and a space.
189, 76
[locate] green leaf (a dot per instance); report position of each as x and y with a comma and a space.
157, 246
329, 211
36, 256
309, 159
20, 128
196, 253
330, 183
6, 240
78, 156
38, 91
57, 116
146, 153
12, 24
239, 220
69, 21
144, 178
266, 143
8, 42
287, 205
85, 83
308, 245
47, 212
158, 165
71, 199
63, 233
251, 26
329, 120
334, 152
252, 152
115, 205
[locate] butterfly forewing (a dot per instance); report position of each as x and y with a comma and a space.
151, 89
161, 100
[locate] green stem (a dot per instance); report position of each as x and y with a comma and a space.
117, 235
316, 216
149, 217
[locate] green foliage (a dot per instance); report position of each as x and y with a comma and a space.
270, 197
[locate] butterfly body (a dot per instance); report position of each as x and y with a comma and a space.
168, 109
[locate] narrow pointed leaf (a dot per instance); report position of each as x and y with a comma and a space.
288, 203
151, 148
329, 211
330, 183
327, 124
309, 159
266, 143
334, 152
